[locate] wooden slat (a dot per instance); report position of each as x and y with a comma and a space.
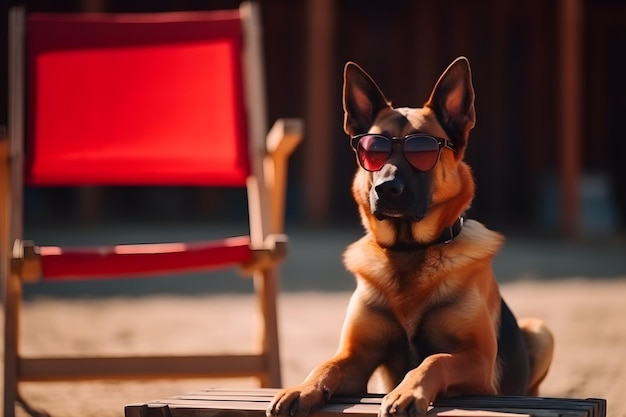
85, 368
328, 409
227, 393
539, 406
319, 170
235, 399
571, 115
455, 412
253, 402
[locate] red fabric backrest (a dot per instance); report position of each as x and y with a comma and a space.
136, 99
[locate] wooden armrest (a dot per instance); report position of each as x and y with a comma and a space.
273, 251
281, 141
284, 137
25, 261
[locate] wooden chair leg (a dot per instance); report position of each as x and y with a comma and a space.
266, 287
12, 297
9, 284
281, 141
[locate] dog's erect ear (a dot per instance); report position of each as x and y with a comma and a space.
452, 100
362, 100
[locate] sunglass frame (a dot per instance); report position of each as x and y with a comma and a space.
442, 143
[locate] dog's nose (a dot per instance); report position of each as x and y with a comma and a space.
390, 188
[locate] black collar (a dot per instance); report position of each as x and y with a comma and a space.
447, 236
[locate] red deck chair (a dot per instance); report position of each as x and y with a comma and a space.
142, 99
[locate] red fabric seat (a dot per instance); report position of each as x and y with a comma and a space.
130, 99
143, 259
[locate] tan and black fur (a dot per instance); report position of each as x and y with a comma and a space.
427, 314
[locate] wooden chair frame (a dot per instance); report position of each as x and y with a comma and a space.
21, 260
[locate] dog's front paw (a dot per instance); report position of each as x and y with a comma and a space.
298, 401
405, 402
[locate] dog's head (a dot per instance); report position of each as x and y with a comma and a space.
399, 203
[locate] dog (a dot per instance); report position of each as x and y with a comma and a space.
427, 312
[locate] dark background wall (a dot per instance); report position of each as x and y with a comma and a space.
515, 150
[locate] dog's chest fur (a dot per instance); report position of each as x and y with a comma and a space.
413, 287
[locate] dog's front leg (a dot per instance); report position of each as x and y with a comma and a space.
364, 339
468, 372
336, 375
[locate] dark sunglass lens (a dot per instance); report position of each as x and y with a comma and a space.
373, 151
421, 152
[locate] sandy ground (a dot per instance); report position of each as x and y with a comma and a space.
587, 317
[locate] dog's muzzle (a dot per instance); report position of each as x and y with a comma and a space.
393, 197
390, 200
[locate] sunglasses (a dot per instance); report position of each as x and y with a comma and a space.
420, 150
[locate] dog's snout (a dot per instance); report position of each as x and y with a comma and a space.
390, 188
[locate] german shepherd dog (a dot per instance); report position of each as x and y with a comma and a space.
427, 311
